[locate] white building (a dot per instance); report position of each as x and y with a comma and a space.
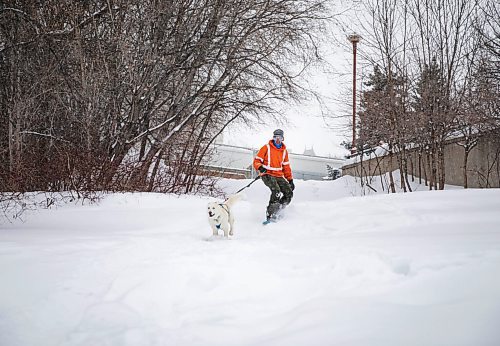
237, 161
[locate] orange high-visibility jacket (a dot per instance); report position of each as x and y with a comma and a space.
274, 160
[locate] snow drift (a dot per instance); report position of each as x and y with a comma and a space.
142, 269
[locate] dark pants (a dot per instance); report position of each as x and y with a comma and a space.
281, 194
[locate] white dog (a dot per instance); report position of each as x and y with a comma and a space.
220, 216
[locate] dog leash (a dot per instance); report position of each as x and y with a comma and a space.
225, 207
243, 188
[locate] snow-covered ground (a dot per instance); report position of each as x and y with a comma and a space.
421, 268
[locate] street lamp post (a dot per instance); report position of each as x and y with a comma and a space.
354, 38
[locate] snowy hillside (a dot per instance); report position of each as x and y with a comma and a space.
142, 269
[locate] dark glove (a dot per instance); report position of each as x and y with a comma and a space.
292, 185
262, 169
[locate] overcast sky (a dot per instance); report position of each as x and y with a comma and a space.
311, 125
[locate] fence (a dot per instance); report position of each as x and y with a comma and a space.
483, 167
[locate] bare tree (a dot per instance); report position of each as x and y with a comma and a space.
426, 57
127, 94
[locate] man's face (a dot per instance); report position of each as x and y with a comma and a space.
278, 139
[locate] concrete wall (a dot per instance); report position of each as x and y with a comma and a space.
229, 158
483, 167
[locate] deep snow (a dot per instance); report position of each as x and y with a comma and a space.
142, 269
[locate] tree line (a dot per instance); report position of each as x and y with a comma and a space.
436, 76
129, 94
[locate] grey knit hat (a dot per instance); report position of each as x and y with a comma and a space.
279, 132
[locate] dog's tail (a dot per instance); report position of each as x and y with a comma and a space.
233, 199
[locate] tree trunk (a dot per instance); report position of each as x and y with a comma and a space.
361, 168
466, 158
412, 169
155, 171
391, 178
401, 172
442, 172
140, 175
420, 167
433, 169
405, 166
429, 170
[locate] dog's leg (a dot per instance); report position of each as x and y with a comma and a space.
215, 231
231, 224
225, 228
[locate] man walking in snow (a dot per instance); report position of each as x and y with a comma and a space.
272, 163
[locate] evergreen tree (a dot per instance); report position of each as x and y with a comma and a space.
430, 96
434, 119
381, 108
333, 173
